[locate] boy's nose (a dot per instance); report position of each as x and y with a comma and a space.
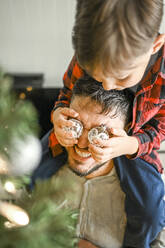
83, 140
109, 84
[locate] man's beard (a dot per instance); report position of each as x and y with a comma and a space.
83, 174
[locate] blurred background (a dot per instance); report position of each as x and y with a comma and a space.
36, 37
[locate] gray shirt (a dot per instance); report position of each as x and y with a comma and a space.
101, 202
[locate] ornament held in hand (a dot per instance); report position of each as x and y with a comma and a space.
76, 129
98, 133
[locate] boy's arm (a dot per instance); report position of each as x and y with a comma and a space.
73, 73
146, 140
143, 143
151, 134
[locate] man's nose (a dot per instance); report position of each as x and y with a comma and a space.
109, 84
83, 140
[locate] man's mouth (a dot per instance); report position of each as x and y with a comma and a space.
82, 153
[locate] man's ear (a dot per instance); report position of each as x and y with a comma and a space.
158, 43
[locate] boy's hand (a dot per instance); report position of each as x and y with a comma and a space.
85, 244
60, 120
119, 144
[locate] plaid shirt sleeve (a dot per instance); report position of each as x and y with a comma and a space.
73, 73
152, 134
150, 137
148, 124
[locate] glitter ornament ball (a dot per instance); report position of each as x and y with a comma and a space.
76, 129
25, 156
98, 133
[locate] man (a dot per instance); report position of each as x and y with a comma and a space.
97, 189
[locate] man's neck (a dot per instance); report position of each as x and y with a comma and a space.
102, 171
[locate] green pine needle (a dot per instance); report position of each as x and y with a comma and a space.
51, 225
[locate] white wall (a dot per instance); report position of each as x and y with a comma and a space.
35, 36
162, 28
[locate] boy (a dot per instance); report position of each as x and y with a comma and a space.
117, 43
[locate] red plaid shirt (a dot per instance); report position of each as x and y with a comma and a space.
148, 123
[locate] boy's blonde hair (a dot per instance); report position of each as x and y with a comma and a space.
111, 33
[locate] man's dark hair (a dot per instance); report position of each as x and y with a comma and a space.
110, 33
115, 102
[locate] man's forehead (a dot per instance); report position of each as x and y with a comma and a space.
86, 104
86, 107
90, 114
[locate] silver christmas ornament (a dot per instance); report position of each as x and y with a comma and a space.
76, 129
98, 133
25, 156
